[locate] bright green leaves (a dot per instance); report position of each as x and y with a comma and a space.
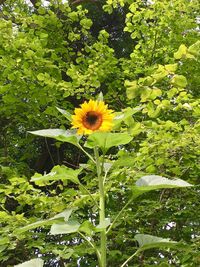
61, 173
132, 89
179, 81
192, 51
68, 136
195, 49
31, 263
86, 23
107, 140
184, 52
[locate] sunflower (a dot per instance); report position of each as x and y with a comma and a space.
92, 116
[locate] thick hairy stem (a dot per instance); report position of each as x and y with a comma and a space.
101, 209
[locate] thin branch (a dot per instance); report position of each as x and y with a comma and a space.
49, 152
89, 156
91, 244
118, 215
130, 258
95, 202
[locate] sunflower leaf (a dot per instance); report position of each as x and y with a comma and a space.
107, 140
155, 182
62, 173
31, 263
149, 241
68, 136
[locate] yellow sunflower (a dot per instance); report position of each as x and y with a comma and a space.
92, 116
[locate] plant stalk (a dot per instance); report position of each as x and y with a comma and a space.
101, 209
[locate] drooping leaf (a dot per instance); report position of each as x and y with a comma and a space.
57, 173
63, 215
149, 241
68, 136
64, 228
107, 140
31, 263
155, 182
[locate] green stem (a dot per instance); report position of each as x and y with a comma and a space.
130, 258
89, 156
95, 202
91, 244
101, 208
118, 215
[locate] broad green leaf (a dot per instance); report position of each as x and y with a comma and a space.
68, 136
149, 241
64, 228
171, 67
156, 180
57, 173
132, 90
195, 48
63, 215
31, 263
182, 51
65, 113
179, 80
107, 140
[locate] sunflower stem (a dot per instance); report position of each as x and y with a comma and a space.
102, 260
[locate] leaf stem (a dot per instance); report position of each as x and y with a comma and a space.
86, 153
85, 188
130, 258
91, 244
118, 215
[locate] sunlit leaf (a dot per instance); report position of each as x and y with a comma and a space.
68, 136
107, 140
156, 180
64, 228
63, 215
58, 173
31, 263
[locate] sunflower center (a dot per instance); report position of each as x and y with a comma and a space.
92, 120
